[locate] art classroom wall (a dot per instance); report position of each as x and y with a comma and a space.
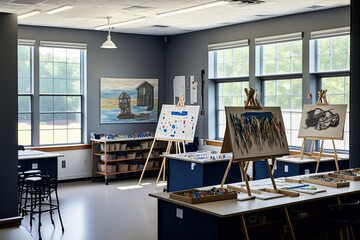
8, 120
137, 56
187, 54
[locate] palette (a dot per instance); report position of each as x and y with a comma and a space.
326, 180
349, 174
194, 196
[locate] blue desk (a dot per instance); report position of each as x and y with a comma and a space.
287, 167
186, 173
45, 161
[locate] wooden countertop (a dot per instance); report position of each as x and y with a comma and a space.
228, 208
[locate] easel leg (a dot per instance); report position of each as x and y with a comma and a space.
274, 166
243, 173
289, 223
243, 223
242, 176
183, 144
321, 151
312, 147
163, 163
335, 153
226, 173
271, 176
302, 149
147, 160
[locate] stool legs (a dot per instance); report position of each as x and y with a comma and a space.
58, 208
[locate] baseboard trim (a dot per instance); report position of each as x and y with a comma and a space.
10, 222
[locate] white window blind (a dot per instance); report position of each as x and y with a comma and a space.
330, 32
227, 45
279, 38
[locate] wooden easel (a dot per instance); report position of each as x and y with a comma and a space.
322, 100
177, 143
250, 103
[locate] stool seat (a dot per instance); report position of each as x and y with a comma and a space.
33, 179
32, 172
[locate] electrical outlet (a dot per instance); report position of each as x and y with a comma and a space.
34, 166
179, 213
307, 171
193, 165
63, 164
286, 168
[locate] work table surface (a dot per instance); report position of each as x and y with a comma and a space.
228, 208
34, 154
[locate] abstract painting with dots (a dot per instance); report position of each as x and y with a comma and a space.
177, 123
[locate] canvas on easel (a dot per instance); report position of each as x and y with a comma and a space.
177, 124
322, 121
253, 133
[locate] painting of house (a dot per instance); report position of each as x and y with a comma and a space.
128, 100
145, 95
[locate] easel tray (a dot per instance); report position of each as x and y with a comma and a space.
326, 180
194, 196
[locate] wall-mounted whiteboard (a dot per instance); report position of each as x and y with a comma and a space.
177, 123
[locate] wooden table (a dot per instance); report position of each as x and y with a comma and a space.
47, 162
229, 218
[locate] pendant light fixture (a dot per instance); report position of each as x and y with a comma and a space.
108, 43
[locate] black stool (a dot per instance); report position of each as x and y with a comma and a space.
22, 187
345, 216
40, 188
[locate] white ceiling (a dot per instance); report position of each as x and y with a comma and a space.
86, 14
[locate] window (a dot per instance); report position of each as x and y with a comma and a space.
330, 63
338, 92
286, 93
332, 54
229, 69
232, 62
228, 94
280, 58
60, 95
25, 92
50, 109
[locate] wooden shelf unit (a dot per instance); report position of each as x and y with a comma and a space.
98, 152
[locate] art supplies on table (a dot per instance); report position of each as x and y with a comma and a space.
203, 155
326, 180
349, 174
194, 196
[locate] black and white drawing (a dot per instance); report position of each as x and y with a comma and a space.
323, 121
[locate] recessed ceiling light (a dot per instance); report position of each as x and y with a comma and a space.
60, 9
120, 23
29, 14
194, 8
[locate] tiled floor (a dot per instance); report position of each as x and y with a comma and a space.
94, 211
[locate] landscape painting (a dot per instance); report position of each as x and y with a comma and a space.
323, 121
255, 133
128, 100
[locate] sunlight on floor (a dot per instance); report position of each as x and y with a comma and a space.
133, 186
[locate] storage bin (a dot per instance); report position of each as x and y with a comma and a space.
144, 144
122, 167
122, 146
145, 154
150, 164
157, 164
133, 167
112, 146
117, 146
110, 168
140, 167
139, 156
131, 155
102, 147
135, 147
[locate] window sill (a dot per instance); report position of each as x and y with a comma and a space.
60, 147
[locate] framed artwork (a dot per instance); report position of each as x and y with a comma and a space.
177, 123
255, 134
128, 100
323, 121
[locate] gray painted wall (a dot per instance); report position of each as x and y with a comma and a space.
8, 120
137, 56
187, 54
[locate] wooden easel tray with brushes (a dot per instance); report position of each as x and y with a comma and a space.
326, 180
194, 196
349, 174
